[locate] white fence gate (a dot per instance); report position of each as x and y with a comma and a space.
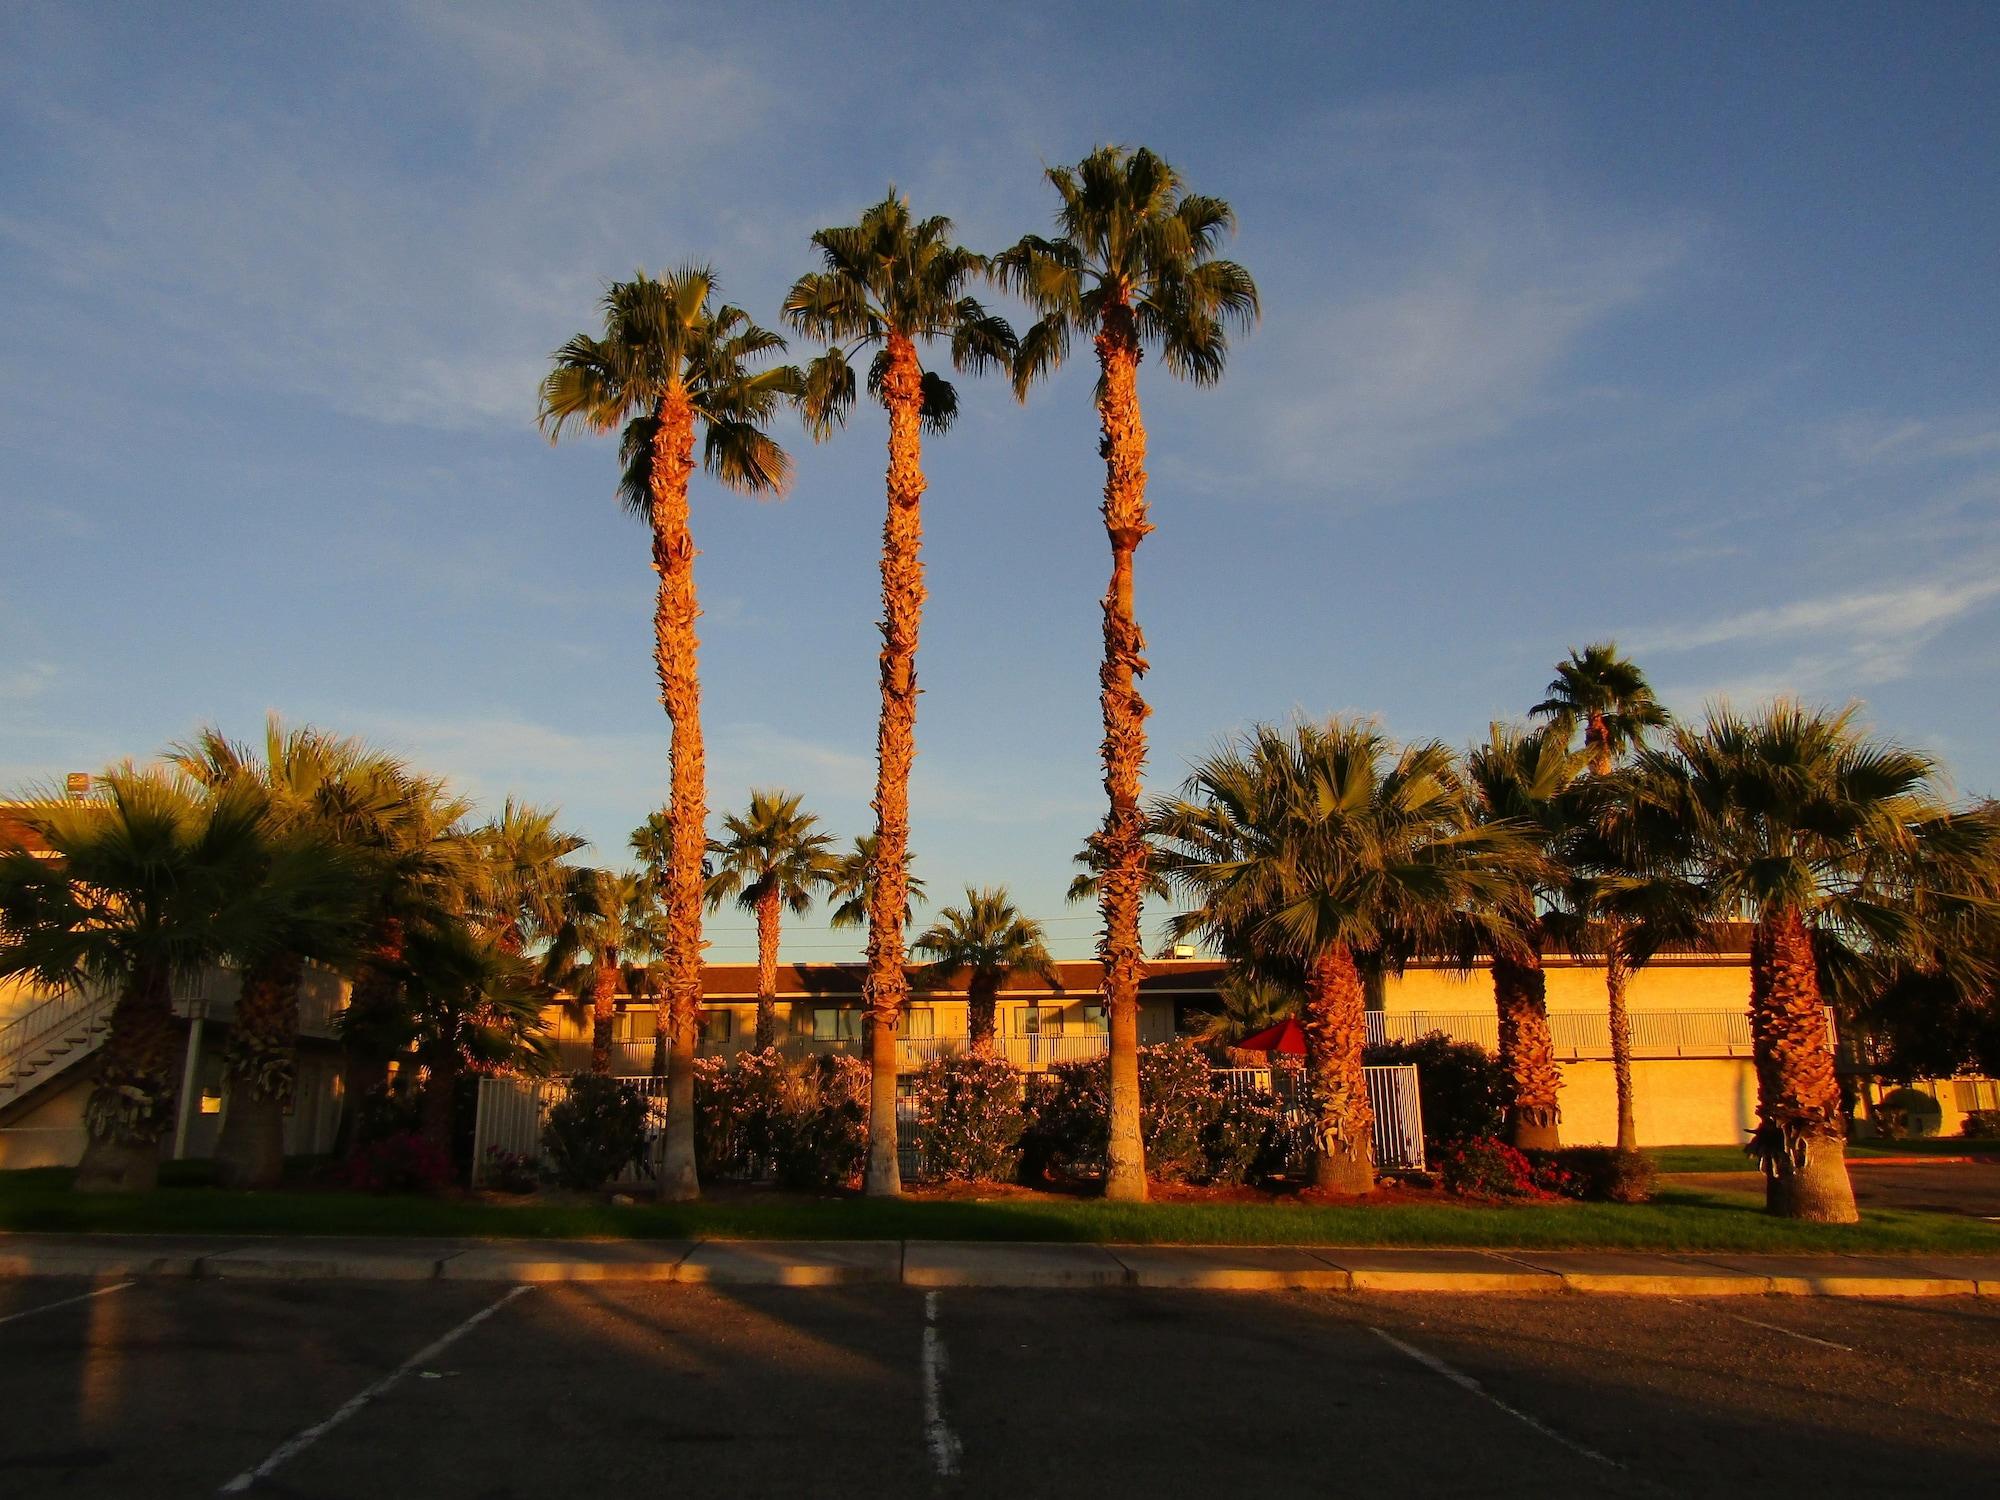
1392, 1094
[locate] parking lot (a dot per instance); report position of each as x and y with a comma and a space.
173, 1387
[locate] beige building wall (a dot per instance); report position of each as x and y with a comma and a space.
1676, 1101
1719, 984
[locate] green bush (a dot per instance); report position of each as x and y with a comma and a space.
1461, 1086
1981, 1124
1484, 1167
1596, 1174
969, 1119
594, 1131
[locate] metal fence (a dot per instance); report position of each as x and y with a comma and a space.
1392, 1094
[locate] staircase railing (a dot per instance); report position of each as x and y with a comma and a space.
29, 1032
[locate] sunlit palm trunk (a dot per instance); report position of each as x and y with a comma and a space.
895, 749
132, 1100
603, 1014
674, 651
981, 1001
1801, 1139
1335, 1021
260, 1075
1617, 972
1121, 887
767, 969
1527, 1050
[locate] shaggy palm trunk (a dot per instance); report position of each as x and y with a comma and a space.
440, 1090
371, 1033
981, 1001
260, 1075
674, 659
886, 984
132, 1100
1800, 1140
1121, 886
1527, 1051
767, 969
1617, 973
603, 1014
1335, 1021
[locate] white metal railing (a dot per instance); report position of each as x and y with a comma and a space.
511, 1112
1392, 1095
1583, 1033
34, 1032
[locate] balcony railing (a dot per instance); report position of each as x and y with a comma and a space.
1583, 1034
634, 1059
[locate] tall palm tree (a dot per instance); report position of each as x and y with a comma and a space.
1087, 883
771, 860
524, 889
668, 362
1325, 845
616, 921
1609, 696
854, 880
1132, 264
474, 1005
300, 776
154, 880
1525, 782
1823, 837
893, 283
987, 939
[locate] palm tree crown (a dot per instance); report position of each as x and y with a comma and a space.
1129, 234
771, 848
1609, 696
987, 938
854, 877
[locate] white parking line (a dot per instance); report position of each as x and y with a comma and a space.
1466, 1383
293, 1447
946, 1450
103, 1291
1790, 1333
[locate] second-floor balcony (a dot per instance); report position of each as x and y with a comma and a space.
1031, 1053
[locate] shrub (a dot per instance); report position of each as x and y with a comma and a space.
595, 1131
1245, 1141
969, 1119
1981, 1123
1485, 1167
507, 1171
762, 1117
404, 1162
1598, 1174
1460, 1086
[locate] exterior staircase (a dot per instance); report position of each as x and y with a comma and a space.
48, 1040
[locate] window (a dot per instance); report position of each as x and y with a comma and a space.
715, 1026
1093, 1018
917, 1021
211, 1102
1038, 1020
842, 1025
635, 1025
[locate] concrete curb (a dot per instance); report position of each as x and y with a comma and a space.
941, 1263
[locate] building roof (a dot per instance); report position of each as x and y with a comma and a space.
15, 834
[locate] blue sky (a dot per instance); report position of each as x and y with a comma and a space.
1669, 323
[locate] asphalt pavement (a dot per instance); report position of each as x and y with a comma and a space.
328, 1388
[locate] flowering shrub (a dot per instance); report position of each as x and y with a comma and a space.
1598, 1174
404, 1162
1485, 1167
969, 1119
595, 1131
507, 1171
762, 1116
1246, 1140
1981, 1123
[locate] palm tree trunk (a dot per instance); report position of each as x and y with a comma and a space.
886, 984
1617, 972
675, 647
603, 1015
767, 969
132, 1099
981, 997
1800, 1138
261, 1067
1122, 884
440, 1089
1527, 1050
369, 1033
1334, 1018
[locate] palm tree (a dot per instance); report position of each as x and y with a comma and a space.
154, 881
1524, 781
986, 940
1823, 837
474, 1006
854, 879
667, 362
1327, 846
893, 282
1609, 696
615, 920
1250, 1000
1086, 884
771, 860
300, 777
1132, 264
524, 889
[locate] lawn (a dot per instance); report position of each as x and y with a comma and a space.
41, 1200
1732, 1159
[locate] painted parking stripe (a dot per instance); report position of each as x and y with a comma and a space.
1466, 1383
292, 1447
946, 1449
1790, 1333
103, 1291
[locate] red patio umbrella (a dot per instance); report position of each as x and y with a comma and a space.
1285, 1037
